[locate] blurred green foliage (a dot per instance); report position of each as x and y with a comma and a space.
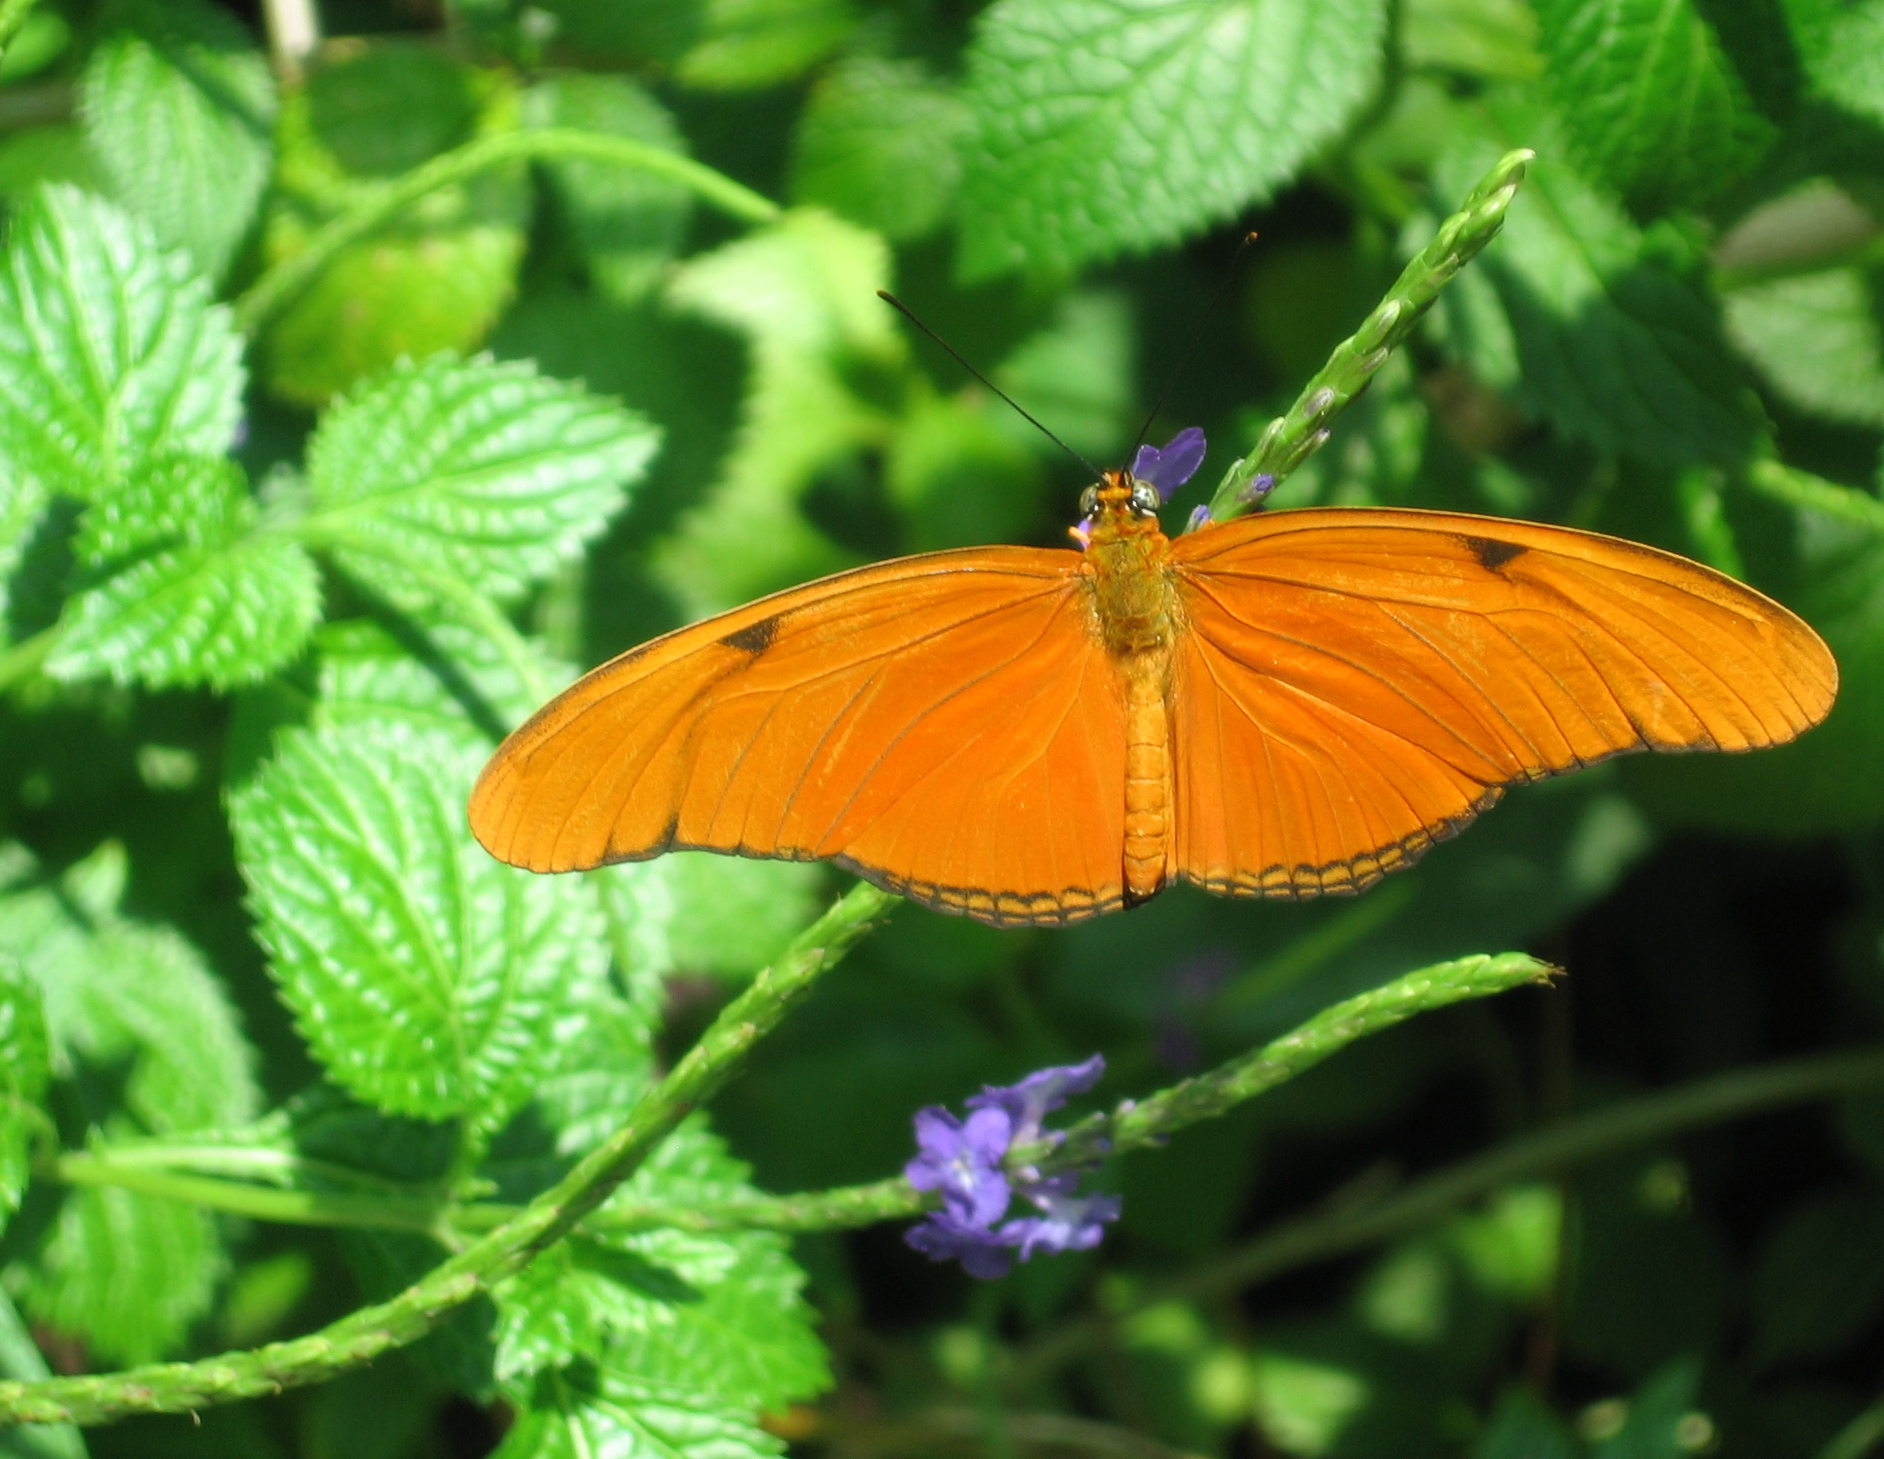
275, 578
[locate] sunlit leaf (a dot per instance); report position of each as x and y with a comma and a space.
490, 472
615, 1413
428, 979
1108, 127
1818, 340
751, 43
110, 350
179, 107
25, 1068
185, 588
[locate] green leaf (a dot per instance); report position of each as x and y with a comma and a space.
1108, 127
438, 276
110, 351
434, 674
25, 1068
803, 292
1571, 311
613, 1413
428, 979
1076, 374
751, 43
1494, 39
489, 472
131, 1001
1845, 58
1657, 106
1820, 1279
625, 224
1524, 1428
1652, 1428
879, 144
127, 1272
57, 152
151, 1045
187, 589
719, 1316
1817, 339
733, 916
179, 107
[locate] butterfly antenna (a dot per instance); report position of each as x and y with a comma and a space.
1197, 339
888, 298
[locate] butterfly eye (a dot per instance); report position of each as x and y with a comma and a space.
1089, 501
1145, 499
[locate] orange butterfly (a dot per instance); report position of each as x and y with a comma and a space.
1288, 704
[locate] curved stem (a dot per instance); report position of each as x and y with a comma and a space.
278, 285
23, 659
1291, 439
1798, 488
1327, 1233
364, 1335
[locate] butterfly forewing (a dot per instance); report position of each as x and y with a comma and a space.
948, 726
1355, 684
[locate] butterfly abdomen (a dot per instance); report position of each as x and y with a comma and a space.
1147, 775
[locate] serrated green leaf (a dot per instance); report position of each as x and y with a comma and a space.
434, 279
616, 1414
803, 293
745, 44
25, 1068
120, 993
1656, 105
1817, 339
488, 471
127, 1272
428, 979
879, 144
147, 1037
186, 590
179, 107
625, 224
719, 1316
432, 674
1609, 344
110, 351
1107, 126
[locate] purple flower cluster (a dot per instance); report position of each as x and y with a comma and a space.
963, 1159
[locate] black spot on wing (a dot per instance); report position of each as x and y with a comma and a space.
755, 638
1491, 553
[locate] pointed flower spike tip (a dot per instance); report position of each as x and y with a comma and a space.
1169, 466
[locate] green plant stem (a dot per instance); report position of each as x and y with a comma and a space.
279, 285
1291, 439
1858, 1438
1802, 489
364, 1335
1151, 1121
1368, 1222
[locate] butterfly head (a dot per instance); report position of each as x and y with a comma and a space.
1125, 503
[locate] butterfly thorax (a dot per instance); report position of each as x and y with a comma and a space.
1135, 601
1128, 565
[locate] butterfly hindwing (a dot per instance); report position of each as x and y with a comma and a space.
1355, 684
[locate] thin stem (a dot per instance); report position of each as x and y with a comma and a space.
279, 285
294, 30
1369, 1221
1798, 488
1291, 439
362, 1336
1858, 1438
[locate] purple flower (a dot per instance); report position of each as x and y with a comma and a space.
1038, 1095
1071, 1223
1258, 487
1200, 514
1169, 466
944, 1236
964, 1160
